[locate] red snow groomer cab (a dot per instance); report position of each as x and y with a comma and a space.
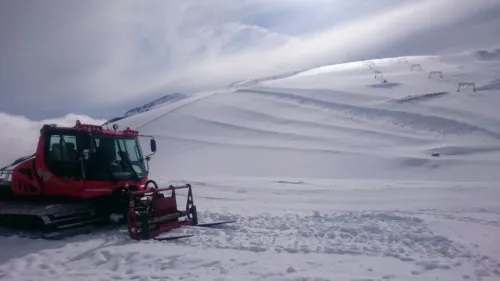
81, 177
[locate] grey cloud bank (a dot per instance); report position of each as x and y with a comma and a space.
99, 58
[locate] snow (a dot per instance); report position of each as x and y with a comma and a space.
329, 174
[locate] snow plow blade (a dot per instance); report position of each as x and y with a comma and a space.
155, 212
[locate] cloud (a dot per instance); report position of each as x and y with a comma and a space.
348, 40
62, 56
21, 134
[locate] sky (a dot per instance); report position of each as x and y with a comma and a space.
100, 58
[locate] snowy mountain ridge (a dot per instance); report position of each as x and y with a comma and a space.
158, 102
170, 98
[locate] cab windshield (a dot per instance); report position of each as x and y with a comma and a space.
117, 157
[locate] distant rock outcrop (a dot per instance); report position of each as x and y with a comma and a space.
488, 55
148, 106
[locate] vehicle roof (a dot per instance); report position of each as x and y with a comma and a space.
94, 129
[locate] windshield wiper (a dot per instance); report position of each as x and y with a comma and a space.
126, 158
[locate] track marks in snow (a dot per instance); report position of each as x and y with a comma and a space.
420, 97
403, 119
267, 146
310, 124
386, 245
404, 237
385, 85
262, 132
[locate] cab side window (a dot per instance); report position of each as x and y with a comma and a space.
62, 148
61, 155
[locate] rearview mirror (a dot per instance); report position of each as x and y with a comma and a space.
153, 145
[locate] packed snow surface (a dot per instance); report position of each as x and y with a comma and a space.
359, 171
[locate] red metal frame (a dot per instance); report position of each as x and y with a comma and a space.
160, 214
96, 128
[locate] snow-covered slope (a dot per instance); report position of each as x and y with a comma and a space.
331, 173
338, 122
